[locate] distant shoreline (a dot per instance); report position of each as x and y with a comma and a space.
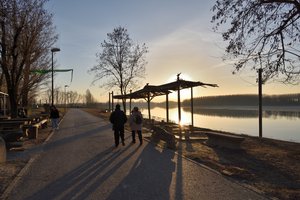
252, 108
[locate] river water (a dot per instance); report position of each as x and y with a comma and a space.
281, 123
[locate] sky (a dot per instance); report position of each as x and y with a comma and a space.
178, 34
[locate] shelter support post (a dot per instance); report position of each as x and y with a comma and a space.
148, 102
130, 101
260, 101
112, 100
179, 105
167, 106
192, 106
109, 108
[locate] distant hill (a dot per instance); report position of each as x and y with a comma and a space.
246, 100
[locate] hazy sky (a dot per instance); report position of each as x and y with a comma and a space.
178, 34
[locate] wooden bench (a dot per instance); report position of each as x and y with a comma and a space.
11, 124
31, 130
224, 140
11, 137
161, 134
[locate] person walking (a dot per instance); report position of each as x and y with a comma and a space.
136, 123
118, 119
54, 116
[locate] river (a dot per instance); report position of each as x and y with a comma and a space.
282, 123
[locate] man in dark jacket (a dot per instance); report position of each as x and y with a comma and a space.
54, 116
118, 119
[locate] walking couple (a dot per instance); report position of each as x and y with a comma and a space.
118, 118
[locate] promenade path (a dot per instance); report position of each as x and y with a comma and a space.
80, 162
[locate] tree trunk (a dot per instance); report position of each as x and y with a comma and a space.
13, 102
25, 87
24, 99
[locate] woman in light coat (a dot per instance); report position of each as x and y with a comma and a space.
136, 124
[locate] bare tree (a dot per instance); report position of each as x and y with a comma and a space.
74, 97
262, 33
27, 33
121, 63
89, 98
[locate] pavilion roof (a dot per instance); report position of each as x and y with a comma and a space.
183, 84
158, 90
150, 90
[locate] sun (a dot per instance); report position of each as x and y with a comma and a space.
185, 93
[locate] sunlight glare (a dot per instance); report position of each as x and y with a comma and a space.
185, 93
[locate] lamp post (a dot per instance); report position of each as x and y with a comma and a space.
52, 74
66, 98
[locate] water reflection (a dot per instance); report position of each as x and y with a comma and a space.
277, 122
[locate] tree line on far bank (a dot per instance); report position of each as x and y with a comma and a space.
231, 100
246, 100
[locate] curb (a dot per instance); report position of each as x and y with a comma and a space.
17, 178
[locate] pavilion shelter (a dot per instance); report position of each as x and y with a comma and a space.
151, 91
147, 93
180, 84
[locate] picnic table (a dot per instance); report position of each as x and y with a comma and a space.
13, 129
12, 124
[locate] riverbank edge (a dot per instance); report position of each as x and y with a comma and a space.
254, 166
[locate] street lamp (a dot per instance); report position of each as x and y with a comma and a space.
52, 89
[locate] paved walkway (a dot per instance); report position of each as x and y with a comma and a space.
80, 162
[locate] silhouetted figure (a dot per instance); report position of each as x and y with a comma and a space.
178, 76
54, 116
136, 123
118, 119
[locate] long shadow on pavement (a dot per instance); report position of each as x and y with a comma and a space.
59, 142
74, 183
150, 176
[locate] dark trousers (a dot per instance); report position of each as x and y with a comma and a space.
139, 135
119, 133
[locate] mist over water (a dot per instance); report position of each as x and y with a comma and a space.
281, 123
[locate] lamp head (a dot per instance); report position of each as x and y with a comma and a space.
55, 49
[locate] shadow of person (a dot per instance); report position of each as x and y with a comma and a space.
73, 183
150, 176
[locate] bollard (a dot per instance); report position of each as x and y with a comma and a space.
33, 132
2, 150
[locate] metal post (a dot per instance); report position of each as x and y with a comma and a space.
52, 87
52, 74
192, 106
148, 101
130, 102
112, 100
179, 106
260, 102
167, 106
109, 109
